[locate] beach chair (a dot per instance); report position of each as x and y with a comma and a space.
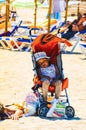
77, 37
39, 29
32, 32
8, 43
58, 27
53, 30
11, 33
15, 43
83, 48
18, 39
44, 25
12, 43
26, 37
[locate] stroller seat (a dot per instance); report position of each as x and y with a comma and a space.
51, 87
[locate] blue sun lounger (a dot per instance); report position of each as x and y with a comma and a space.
15, 28
83, 48
77, 38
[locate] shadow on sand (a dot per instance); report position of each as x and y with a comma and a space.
56, 118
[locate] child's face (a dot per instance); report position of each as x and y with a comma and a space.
43, 63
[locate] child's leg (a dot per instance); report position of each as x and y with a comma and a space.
45, 85
58, 85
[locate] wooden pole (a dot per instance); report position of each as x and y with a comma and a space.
35, 13
49, 13
66, 11
7, 14
78, 11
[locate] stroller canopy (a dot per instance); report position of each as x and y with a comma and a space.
50, 44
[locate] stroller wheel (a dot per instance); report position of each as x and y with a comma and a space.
42, 111
70, 112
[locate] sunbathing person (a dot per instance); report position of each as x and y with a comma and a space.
72, 28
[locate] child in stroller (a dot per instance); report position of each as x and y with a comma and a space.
48, 74
47, 49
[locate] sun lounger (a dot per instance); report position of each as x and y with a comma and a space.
39, 29
44, 25
15, 43
83, 48
77, 38
16, 40
11, 33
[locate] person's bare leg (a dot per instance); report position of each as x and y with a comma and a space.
58, 85
45, 86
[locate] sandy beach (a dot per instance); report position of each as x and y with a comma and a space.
16, 77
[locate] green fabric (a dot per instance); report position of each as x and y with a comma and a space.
24, 4
60, 105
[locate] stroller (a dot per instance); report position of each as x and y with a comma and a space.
49, 43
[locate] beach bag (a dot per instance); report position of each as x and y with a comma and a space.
29, 110
57, 110
31, 103
31, 98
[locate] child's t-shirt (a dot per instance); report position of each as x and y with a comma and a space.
49, 71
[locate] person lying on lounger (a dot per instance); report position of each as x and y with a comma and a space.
72, 28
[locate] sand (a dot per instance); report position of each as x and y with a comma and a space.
16, 77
